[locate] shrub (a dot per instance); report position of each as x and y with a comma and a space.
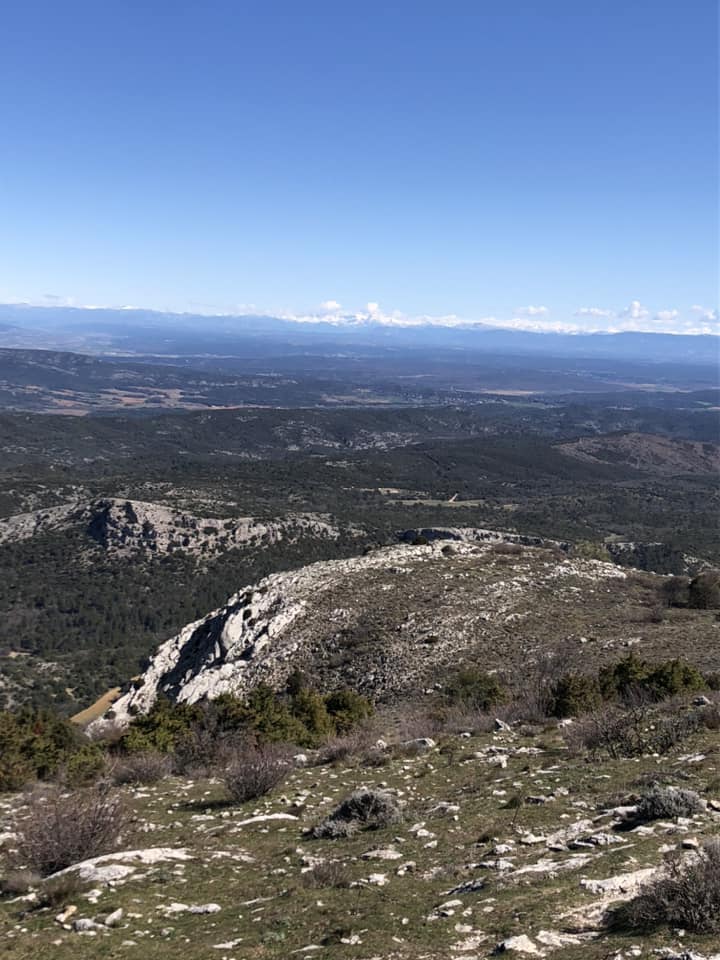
161, 728
623, 676
329, 873
673, 677
630, 732
474, 689
37, 743
60, 829
368, 808
145, 766
334, 829
674, 591
58, 890
667, 803
15, 883
359, 743
347, 709
297, 715
573, 695
632, 676
255, 771
686, 895
270, 718
704, 591
83, 766
591, 550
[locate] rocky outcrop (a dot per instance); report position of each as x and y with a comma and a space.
480, 535
127, 527
382, 623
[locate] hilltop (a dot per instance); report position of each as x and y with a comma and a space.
391, 623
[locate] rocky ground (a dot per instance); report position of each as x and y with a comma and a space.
507, 843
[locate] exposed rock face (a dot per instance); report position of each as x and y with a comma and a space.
480, 535
125, 527
382, 623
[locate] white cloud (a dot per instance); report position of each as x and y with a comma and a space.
666, 316
636, 317
711, 316
594, 312
636, 311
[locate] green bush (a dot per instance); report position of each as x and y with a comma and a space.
304, 717
573, 695
657, 681
667, 803
161, 728
310, 709
347, 709
474, 689
672, 677
36, 744
591, 550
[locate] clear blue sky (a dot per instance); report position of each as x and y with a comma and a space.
469, 158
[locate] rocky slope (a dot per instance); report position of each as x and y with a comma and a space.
509, 844
125, 527
390, 622
645, 451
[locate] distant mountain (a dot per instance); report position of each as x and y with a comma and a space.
147, 331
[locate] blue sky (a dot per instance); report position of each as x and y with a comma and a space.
514, 160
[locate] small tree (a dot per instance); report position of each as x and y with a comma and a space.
675, 591
704, 592
573, 695
347, 709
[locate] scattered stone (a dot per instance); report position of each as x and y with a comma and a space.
421, 744
63, 917
85, 925
521, 944
384, 854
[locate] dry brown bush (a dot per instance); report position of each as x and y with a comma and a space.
59, 890
686, 895
59, 829
147, 766
632, 730
15, 883
254, 771
329, 873
359, 744
366, 808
